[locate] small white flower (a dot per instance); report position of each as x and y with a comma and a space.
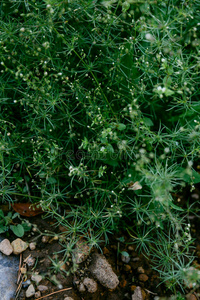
190, 163
22, 29
149, 37
167, 150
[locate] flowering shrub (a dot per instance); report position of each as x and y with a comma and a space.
99, 113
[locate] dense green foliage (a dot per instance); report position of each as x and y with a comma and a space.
99, 118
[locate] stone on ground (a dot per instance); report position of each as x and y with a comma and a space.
42, 288
19, 246
139, 294
81, 287
30, 291
90, 284
8, 276
37, 278
5, 247
103, 272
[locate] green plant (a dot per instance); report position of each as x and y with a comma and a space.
99, 117
7, 223
58, 265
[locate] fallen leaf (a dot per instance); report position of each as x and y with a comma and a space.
27, 209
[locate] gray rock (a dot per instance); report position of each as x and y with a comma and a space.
5, 247
32, 246
30, 291
103, 272
68, 298
125, 258
8, 276
30, 261
138, 294
81, 252
19, 246
90, 284
37, 278
81, 287
42, 288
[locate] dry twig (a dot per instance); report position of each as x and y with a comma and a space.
63, 290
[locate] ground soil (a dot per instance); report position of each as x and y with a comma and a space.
128, 273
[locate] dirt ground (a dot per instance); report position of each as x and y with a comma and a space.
128, 274
136, 272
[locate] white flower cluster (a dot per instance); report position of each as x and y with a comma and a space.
79, 171
160, 91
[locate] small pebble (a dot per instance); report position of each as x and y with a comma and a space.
123, 283
90, 284
127, 268
30, 291
37, 278
191, 297
5, 247
81, 287
19, 246
139, 294
42, 288
37, 294
45, 239
32, 246
143, 277
131, 248
125, 258
23, 270
68, 298
140, 270
136, 259
30, 261
195, 196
